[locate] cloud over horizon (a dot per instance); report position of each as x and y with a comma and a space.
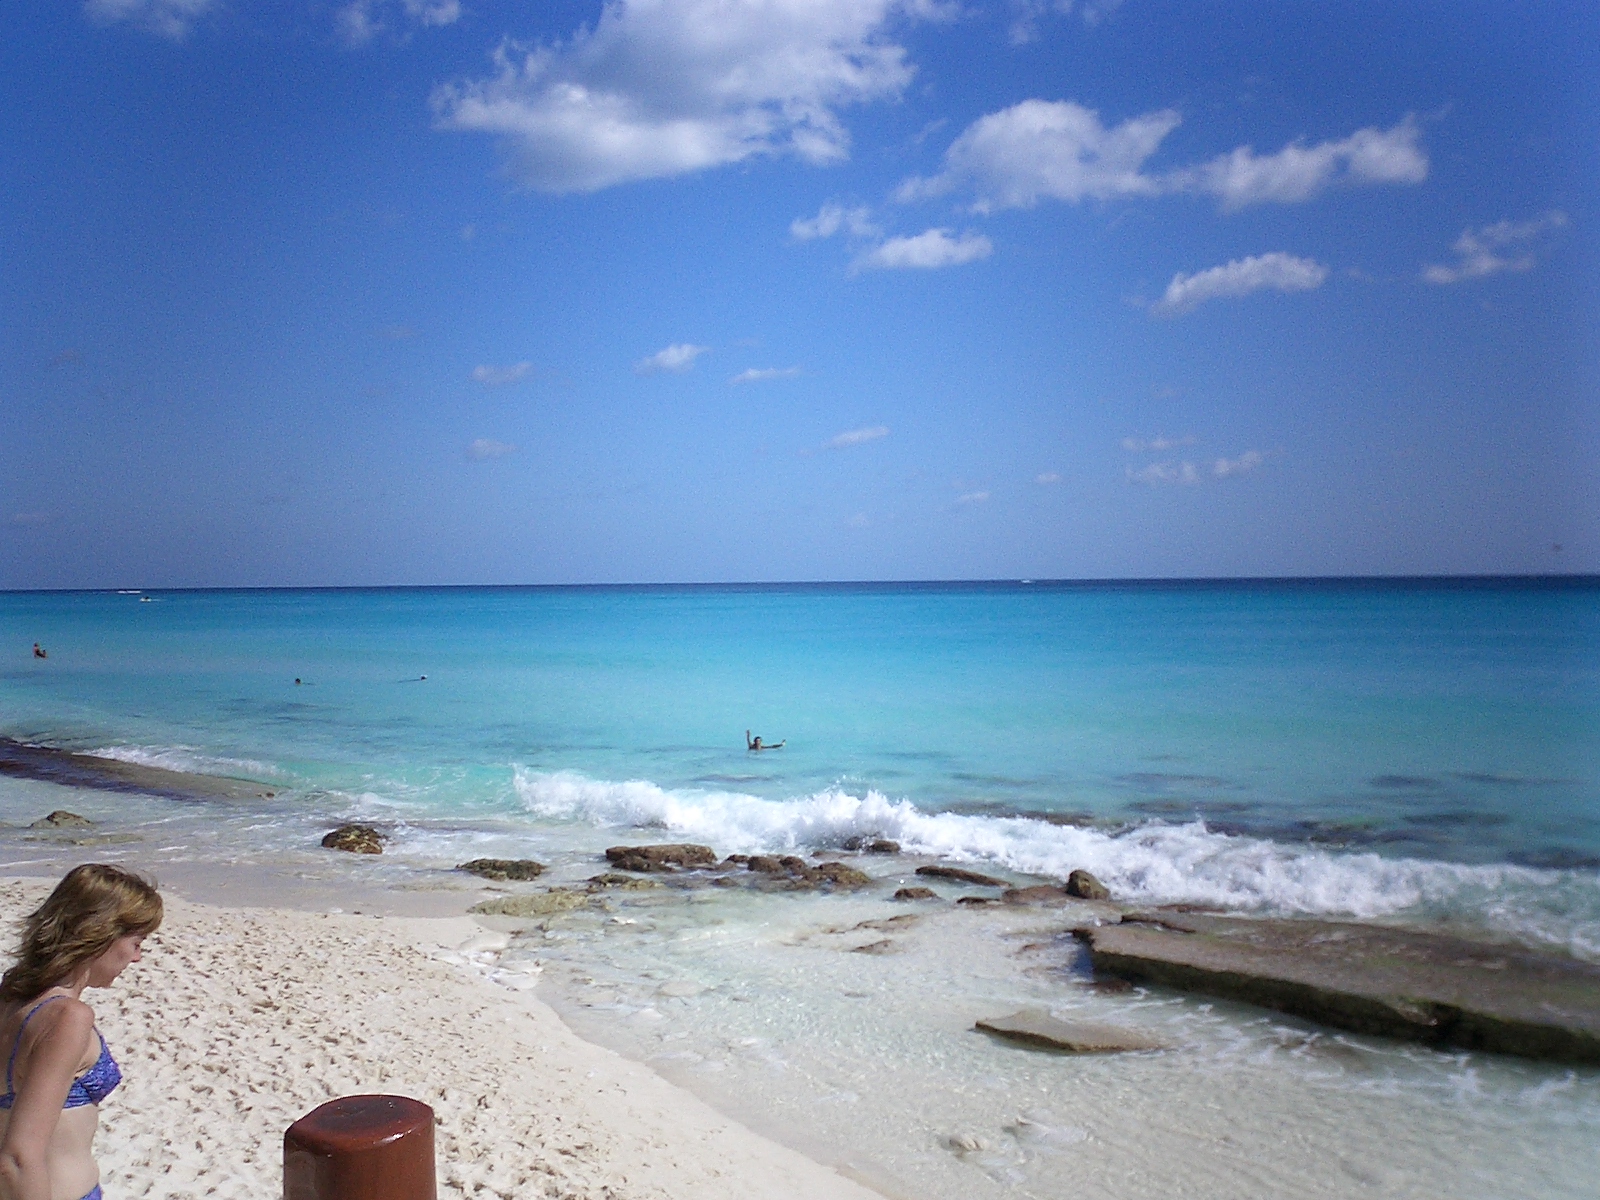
856, 437
1279, 271
658, 88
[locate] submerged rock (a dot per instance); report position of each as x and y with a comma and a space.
356, 839
663, 857
916, 893
1044, 893
1038, 1029
882, 946
961, 876
789, 873
614, 879
539, 904
503, 868
61, 819
1086, 887
1431, 988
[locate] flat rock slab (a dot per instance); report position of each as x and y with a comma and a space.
113, 775
959, 875
1445, 991
1040, 1030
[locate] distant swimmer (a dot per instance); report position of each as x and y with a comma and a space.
755, 743
39, 652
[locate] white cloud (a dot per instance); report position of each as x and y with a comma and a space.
1478, 250
657, 88
930, 249
762, 374
1224, 467
855, 437
677, 357
1299, 172
501, 376
1044, 149
1186, 473
830, 219
362, 20
1282, 272
1058, 150
1158, 444
1047, 477
167, 18
483, 449
972, 498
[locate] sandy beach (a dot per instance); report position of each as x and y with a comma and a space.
240, 1020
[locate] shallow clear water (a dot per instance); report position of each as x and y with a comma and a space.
1415, 752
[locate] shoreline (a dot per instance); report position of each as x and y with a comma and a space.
242, 1044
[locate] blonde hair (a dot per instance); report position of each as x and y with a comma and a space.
93, 906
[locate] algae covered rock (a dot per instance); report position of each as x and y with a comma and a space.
662, 857
539, 904
503, 869
356, 839
961, 875
61, 819
1086, 887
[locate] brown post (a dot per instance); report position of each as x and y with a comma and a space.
361, 1148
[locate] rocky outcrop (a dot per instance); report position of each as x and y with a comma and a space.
61, 819
503, 869
357, 839
665, 857
960, 876
1043, 893
916, 893
1445, 991
627, 883
1086, 887
1039, 1030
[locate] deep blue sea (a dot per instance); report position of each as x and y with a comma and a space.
1421, 752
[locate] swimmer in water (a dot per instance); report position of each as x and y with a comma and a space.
38, 651
755, 743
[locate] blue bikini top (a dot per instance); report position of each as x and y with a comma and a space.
93, 1086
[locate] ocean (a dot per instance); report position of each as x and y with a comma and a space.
1420, 752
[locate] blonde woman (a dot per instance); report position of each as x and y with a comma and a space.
58, 1067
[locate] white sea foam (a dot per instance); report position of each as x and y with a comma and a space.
1154, 863
188, 759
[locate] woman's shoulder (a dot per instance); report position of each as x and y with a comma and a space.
44, 1015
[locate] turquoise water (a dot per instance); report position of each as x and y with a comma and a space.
1422, 753
1300, 746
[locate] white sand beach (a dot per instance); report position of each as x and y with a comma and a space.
241, 1020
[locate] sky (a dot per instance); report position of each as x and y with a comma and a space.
334, 293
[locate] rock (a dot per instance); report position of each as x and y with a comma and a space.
357, 839
960, 876
884, 946
1086, 887
1037, 1029
975, 901
870, 845
1427, 987
660, 857
504, 868
739, 859
1043, 894
61, 819
538, 904
916, 893
839, 875
628, 883
767, 864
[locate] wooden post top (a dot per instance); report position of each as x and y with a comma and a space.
356, 1123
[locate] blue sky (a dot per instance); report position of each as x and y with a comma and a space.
418, 291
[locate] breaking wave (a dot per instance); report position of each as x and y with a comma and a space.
1154, 863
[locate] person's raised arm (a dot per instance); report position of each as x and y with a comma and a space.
748, 744
47, 1057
